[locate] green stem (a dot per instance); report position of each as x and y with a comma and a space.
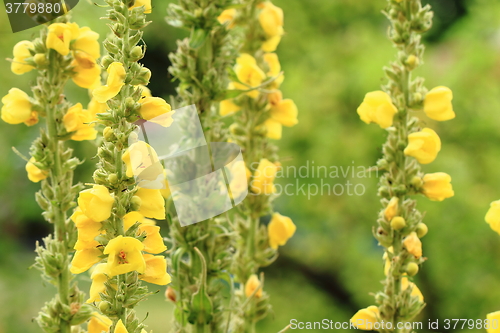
200, 328
56, 180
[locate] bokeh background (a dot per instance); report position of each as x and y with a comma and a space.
332, 54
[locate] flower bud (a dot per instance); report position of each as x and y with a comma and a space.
113, 178
82, 315
236, 129
135, 203
136, 53
108, 134
106, 61
99, 177
170, 294
104, 306
142, 77
421, 230
416, 182
413, 245
398, 223
40, 59
412, 62
411, 269
392, 209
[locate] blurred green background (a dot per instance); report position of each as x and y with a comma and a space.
332, 54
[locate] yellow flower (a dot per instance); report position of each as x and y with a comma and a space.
78, 120
145, 91
274, 68
280, 230
253, 283
114, 83
228, 107
33, 120
165, 192
437, 186
271, 19
392, 209
16, 107
424, 145
132, 218
414, 291
142, 161
84, 259
377, 107
493, 318
21, 52
274, 129
99, 323
156, 270
124, 256
145, 3
283, 110
99, 277
493, 216
88, 230
239, 176
96, 203
249, 74
264, 177
152, 203
271, 44
59, 37
156, 110
86, 72
94, 107
227, 16
365, 319
87, 42
120, 328
413, 244
437, 104
34, 173
153, 243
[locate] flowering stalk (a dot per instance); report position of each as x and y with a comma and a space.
62, 52
408, 145
111, 218
200, 64
259, 114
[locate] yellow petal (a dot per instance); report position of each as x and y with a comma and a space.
120, 328
437, 104
280, 229
252, 284
84, 259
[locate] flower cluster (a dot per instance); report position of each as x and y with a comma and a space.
63, 51
116, 238
409, 145
259, 111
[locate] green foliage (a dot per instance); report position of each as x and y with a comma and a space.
332, 54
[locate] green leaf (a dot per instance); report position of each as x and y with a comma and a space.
197, 39
228, 94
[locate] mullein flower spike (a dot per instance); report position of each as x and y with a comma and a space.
63, 51
116, 241
408, 145
259, 112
